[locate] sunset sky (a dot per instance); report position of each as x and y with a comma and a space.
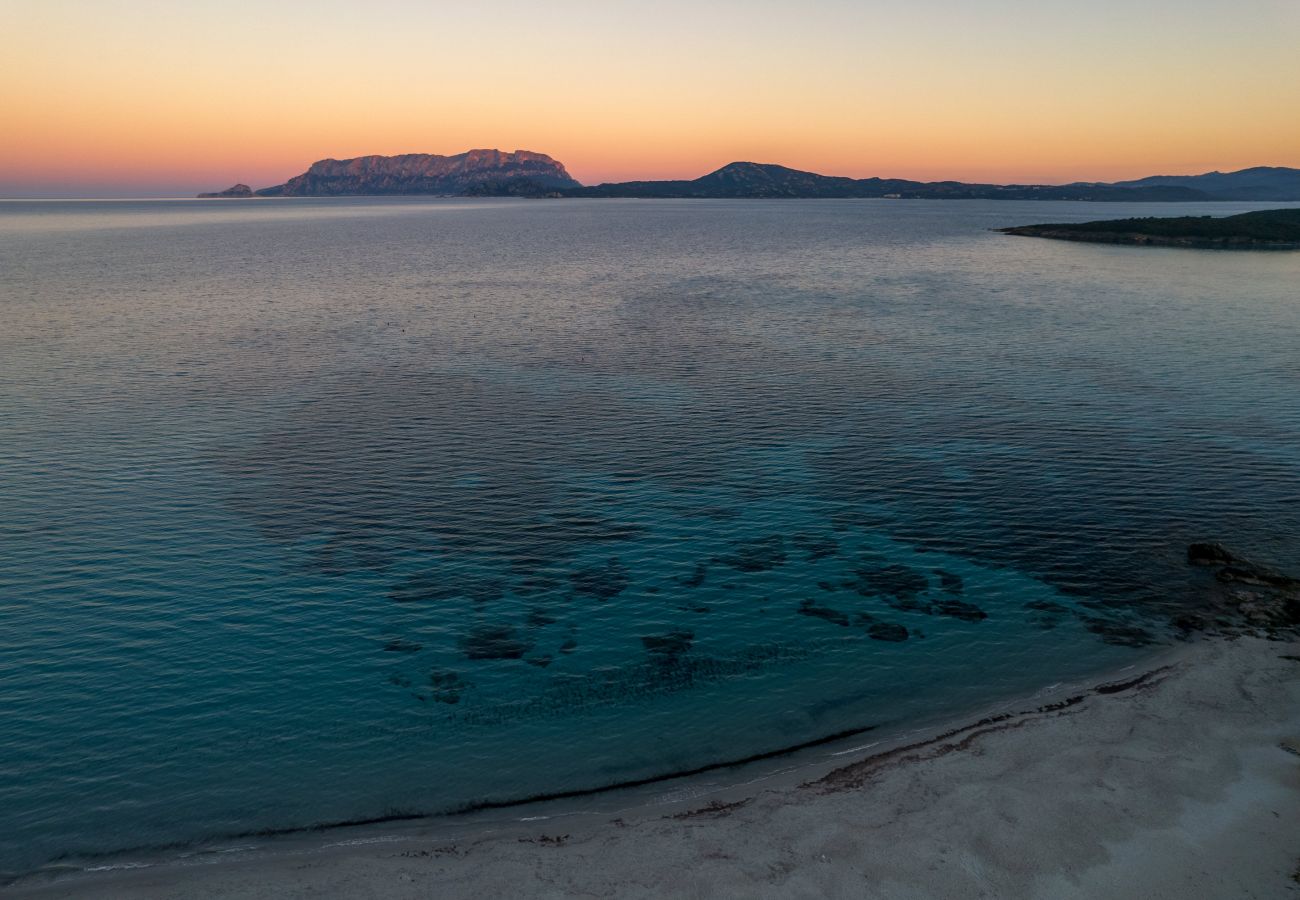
146, 97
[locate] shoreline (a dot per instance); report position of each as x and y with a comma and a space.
1245, 691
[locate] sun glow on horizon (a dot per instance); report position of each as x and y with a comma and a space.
137, 96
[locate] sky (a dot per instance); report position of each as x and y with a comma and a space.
159, 97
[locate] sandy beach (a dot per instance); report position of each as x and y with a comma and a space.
1176, 780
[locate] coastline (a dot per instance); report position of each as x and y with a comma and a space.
1172, 777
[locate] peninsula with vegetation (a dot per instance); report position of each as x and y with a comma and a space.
523, 173
1271, 229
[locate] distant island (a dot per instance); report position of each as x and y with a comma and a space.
1273, 229
522, 173
469, 173
238, 192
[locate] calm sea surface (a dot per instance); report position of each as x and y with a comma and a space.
320, 510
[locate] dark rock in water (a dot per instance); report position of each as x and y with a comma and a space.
896, 583
664, 647
1272, 610
1122, 634
237, 192
950, 581
827, 586
494, 642
447, 685
887, 631
1190, 622
809, 608
602, 582
816, 547
398, 645
960, 609
540, 662
1248, 573
756, 555
569, 646
1046, 614
1209, 554
539, 618
696, 578
718, 513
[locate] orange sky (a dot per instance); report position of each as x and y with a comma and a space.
145, 96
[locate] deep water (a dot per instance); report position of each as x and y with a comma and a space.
319, 510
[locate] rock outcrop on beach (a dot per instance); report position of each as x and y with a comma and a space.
237, 192
1246, 598
426, 173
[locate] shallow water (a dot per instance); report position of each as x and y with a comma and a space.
319, 510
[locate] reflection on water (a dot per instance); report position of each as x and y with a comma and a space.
317, 510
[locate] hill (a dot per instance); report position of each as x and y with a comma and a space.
751, 180
1266, 183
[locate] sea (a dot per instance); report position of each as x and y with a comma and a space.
325, 510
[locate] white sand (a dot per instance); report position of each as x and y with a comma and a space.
1178, 787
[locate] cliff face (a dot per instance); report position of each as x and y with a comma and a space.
423, 173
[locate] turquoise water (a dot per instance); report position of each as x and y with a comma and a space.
325, 510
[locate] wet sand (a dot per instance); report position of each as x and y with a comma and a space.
1176, 780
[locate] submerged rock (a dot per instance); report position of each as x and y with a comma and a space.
960, 609
1209, 554
494, 642
950, 581
667, 647
892, 581
756, 555
539, 618
603, 582
834, 616
1046, 614
887, 631
696, 578
446, 685
816, 547
398, 645
1123, 634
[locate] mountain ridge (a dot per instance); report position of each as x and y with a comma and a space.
524, 173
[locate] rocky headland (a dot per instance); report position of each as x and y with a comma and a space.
237, 192
1272, 229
